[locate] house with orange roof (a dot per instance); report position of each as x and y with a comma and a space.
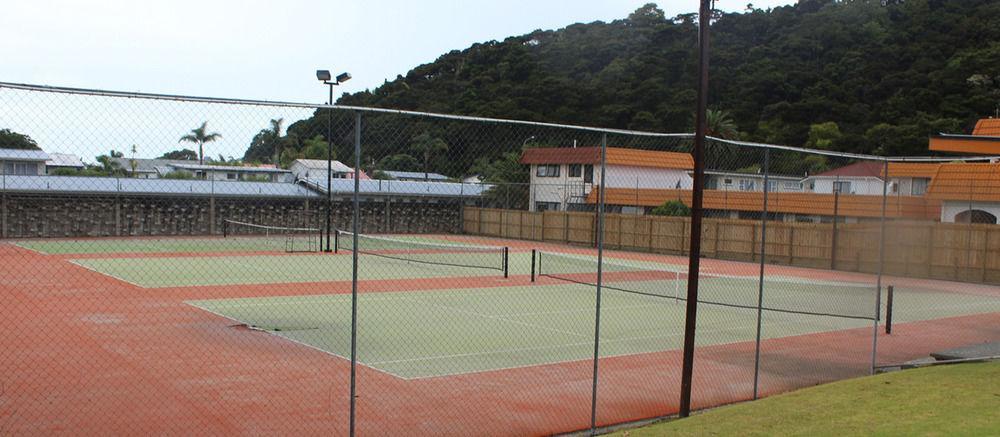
968, 192
562, 178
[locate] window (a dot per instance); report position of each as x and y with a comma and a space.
575, 170
748, 185
772, 186
727, 182
546, 206
588, 174
20, 168
792, 186
548, 171
842, 187
231, 176
919, 186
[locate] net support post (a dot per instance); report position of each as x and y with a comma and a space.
336, 241
506, 262
534, 253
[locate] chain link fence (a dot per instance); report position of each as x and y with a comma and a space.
193, 265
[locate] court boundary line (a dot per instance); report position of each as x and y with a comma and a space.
74, 262
298, 342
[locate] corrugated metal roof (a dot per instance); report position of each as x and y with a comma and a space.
616, 156
415, 175
230, 168
401, 188
64, 160
989, 127
320, 164
24, 155
106, 185
143, 165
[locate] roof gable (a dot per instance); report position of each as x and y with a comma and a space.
989, 127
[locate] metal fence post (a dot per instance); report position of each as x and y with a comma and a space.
881, 263
600, 262
354, 268
760, 280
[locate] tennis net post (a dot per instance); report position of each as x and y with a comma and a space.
225, 229
888, 309
506, 262
533, 254
336, 241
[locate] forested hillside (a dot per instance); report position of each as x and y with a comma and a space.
862, 76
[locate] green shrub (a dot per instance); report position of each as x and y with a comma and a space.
672, 208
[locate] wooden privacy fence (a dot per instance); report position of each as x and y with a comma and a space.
950, 251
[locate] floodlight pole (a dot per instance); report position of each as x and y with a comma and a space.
694, 261
329, 164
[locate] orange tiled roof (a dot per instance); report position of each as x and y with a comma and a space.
966, 181
782, 202
989, 127
913, 169
616, 156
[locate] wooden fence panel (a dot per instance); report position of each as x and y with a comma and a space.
949, 251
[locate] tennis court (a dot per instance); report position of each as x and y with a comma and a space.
421, 334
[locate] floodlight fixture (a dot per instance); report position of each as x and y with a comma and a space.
323, 75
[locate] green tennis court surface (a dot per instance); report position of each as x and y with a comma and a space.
420, 334
265, 269
171, 244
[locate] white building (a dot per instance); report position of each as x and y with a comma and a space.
235, 173
315, 169
63, 160
561, 178
23, 162
416, 176
738, 181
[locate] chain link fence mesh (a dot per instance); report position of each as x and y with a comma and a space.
455, 275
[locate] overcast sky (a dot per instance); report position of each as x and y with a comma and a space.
268, 49
248, 49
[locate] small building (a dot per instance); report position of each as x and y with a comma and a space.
969, 192
416, 176
63, 161
140, 168
316, 169
235, 173
23, 162
741, 181
862, 178
562, 178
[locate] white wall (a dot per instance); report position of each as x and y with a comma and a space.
951, 208
865, 186
565, 189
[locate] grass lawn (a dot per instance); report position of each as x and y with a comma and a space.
959, 399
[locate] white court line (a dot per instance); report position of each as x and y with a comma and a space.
74, 262
299, 342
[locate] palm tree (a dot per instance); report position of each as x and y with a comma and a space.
427, 146
721, 124
275, 133
199, 136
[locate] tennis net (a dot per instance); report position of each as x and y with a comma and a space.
444, 254
782, 294
268, 237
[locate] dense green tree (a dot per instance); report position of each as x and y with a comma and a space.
427, 147
13, 140
200, 136
888, 76
182, 154
399, 162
